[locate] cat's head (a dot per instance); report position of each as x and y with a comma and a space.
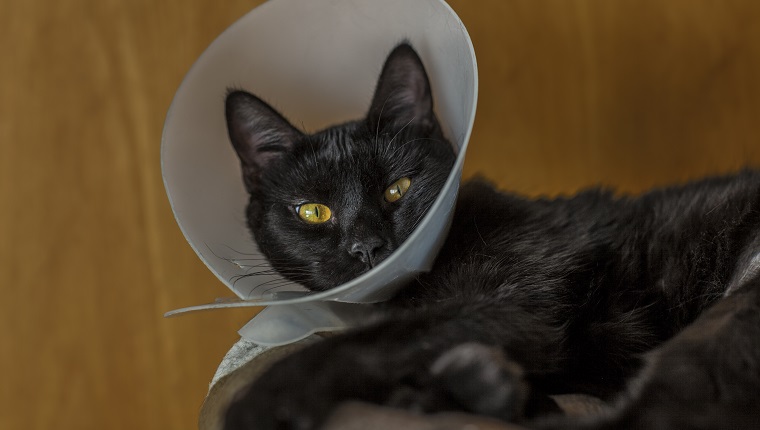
326, 207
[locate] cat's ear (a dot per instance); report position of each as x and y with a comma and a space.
258, 133
403, 97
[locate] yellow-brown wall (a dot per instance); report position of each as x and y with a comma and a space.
573, 93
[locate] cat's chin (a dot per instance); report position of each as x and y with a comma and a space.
324, 286
329, 280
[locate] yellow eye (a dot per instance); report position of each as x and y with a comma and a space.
314, 213
397, 190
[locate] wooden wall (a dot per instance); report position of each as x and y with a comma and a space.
628, 93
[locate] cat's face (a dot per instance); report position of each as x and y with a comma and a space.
326, 207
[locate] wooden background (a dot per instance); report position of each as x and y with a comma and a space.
629, 93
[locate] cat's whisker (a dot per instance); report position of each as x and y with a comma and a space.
240, 262
299, 271
382, 108
228, 259
252, 258
238, 278
262, 273
284, 281
400, 150
258, 257
419, 218
278, 283
400, 130
249, 267
234, 279
278, 286
272, 271
419, 139
239, 252
294, 273
254, 263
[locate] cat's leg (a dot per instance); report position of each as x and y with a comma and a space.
706, 377
410, 361
482, 380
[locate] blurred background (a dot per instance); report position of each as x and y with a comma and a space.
573, 93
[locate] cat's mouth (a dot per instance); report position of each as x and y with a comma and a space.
326, 276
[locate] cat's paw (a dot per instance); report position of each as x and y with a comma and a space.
481, 380
302, 390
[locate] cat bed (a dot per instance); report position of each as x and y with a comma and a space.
246, 360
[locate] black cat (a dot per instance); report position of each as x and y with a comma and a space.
653, 300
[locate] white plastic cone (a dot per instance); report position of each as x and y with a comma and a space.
317, 62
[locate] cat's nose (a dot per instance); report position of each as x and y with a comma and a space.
367, 250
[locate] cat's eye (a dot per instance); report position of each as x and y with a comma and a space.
314, 213
397, 190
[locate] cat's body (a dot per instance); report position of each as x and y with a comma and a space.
654, 298
614, 276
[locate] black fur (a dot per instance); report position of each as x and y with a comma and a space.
347, 167
653, 300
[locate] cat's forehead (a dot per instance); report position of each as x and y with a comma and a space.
329, 163
353, 145
340, 149
324, 163
341, 141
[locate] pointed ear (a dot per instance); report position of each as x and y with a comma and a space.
403, 96
258, 133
